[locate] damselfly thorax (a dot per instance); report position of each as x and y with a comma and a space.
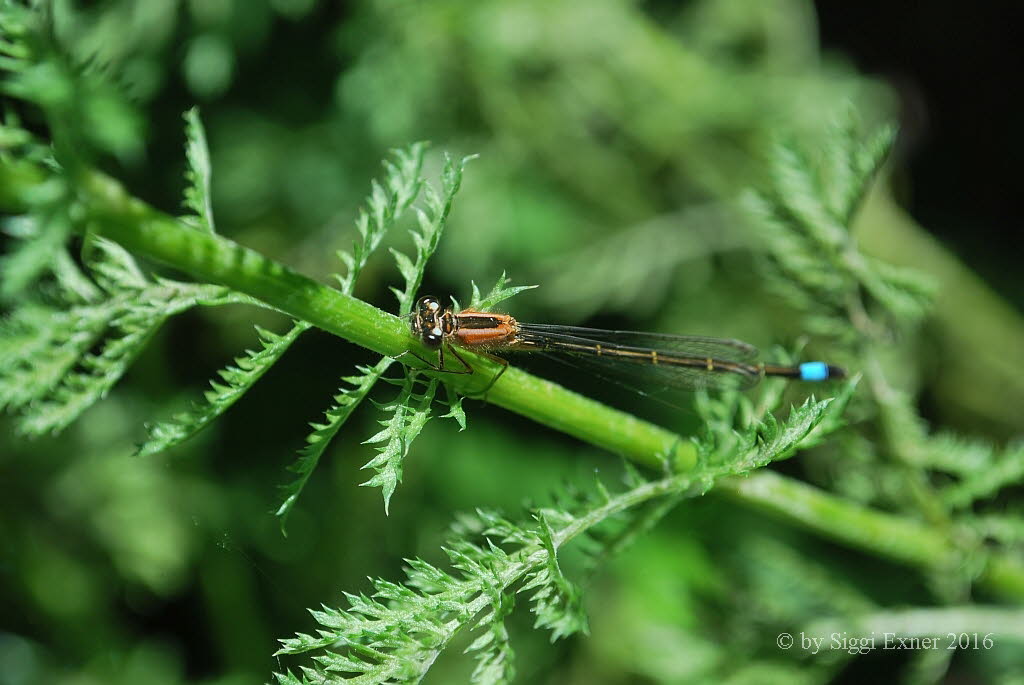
434, 324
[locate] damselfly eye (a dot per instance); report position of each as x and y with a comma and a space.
428, 305
433, 336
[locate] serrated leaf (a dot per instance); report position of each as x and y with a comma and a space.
52, 375
802, 197
239, 380
906, 293
834, 417
557, 602
199, 172
409, 414
499, 293
778, 441
431, 222
112, 266
405, 265
734, 440
129, 331
414, 622
804, 224
385, 206
387, 202
32, 257
1005, 468
868, 157
455, 410
75, 285
495, 663
40, 345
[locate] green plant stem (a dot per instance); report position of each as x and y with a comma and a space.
112, 213
995, 623
893, 537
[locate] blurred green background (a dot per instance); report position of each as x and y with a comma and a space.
613, 137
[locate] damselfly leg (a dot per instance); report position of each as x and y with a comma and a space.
467, 368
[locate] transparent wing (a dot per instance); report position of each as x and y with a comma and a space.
635, 370
684, 345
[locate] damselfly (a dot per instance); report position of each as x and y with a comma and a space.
650, 359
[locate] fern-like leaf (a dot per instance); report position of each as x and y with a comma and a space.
52, 376
387, 203
398, 633
40, 344
1006, 527
1005, 468
854, 163
954, 454
495, 659
395, 635
779, 441
87, 115
733, 436
347, 400
431, 222
118, 270
409, 414
907, 294
498, 294
834, 418
34, 256
804, 221
557, 602
80, 101
455, 409
131, 330
198, 173
237, 381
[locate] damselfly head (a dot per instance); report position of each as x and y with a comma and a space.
428, 322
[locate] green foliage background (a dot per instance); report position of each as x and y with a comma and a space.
614, 141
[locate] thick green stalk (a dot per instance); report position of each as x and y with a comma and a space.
894, 537
141, 229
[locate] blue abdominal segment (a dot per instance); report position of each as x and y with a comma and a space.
814, 371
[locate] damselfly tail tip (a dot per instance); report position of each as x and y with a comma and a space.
836, 372
820, 371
